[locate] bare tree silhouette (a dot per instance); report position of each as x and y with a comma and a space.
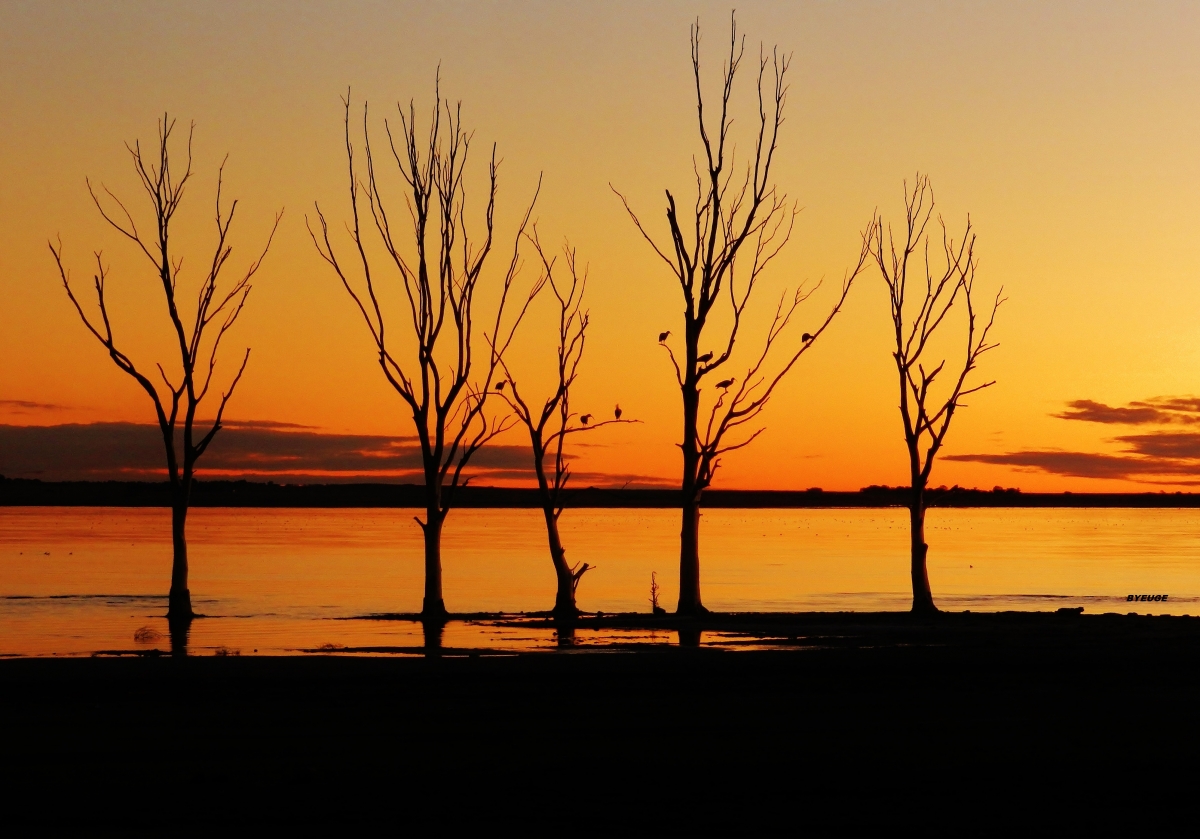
737, 213
655, 609
439, 278
198, 358
915, 321
549, 425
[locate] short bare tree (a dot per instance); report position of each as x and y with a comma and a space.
549, 424
439, 274
197, 344
915, 321
739, 223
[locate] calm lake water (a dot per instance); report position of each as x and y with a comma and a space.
74, 581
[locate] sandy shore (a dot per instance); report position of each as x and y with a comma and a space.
965, 723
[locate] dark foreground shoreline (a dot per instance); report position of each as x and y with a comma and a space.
29, 492
965, 724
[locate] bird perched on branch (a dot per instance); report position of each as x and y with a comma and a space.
725, 384
704, 359
806, 337
662, 336
617, 412
585, 418
500, 384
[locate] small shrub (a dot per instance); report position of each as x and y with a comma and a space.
147, 635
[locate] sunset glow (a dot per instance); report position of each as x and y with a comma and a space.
1067, 133
641, 417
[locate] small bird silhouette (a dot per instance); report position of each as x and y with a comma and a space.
617, 412
725, 384
585, 419
662, 336
704, 359
500, 384
806, 337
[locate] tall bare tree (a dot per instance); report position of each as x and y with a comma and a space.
198, 347
549, 425
738, 213
915, 321
439, 273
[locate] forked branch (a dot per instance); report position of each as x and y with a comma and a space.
915, 321
438, 262
164, 189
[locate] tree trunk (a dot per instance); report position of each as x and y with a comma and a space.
689, 531
433, 606
564, 601
689, 558
179, 602
922, 595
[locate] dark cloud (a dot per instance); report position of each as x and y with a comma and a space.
113, 450
1073, 464
21, 406
1163, 454
1187, 404
1151, 457
1089, 411
263, 424
261, 450
65, 452
1164, 445
1163, 410
273, 450
580, 480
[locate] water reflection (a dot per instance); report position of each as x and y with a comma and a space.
75, 581
564, 634
180, 629
433, 631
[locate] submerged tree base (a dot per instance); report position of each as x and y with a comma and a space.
434, 609
179, 606
565, 612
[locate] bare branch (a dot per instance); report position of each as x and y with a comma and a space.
164, 188
927, 419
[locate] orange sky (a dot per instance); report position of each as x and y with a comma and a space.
1070, 134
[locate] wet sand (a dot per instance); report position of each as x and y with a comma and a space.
967, 723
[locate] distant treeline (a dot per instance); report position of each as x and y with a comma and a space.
25, 492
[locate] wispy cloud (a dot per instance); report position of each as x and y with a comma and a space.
1163, 410
21, 406
264, 424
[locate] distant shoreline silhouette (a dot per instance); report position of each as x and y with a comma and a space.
24, 492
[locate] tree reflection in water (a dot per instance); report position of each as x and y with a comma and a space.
433, 631
180, 629
564, 633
